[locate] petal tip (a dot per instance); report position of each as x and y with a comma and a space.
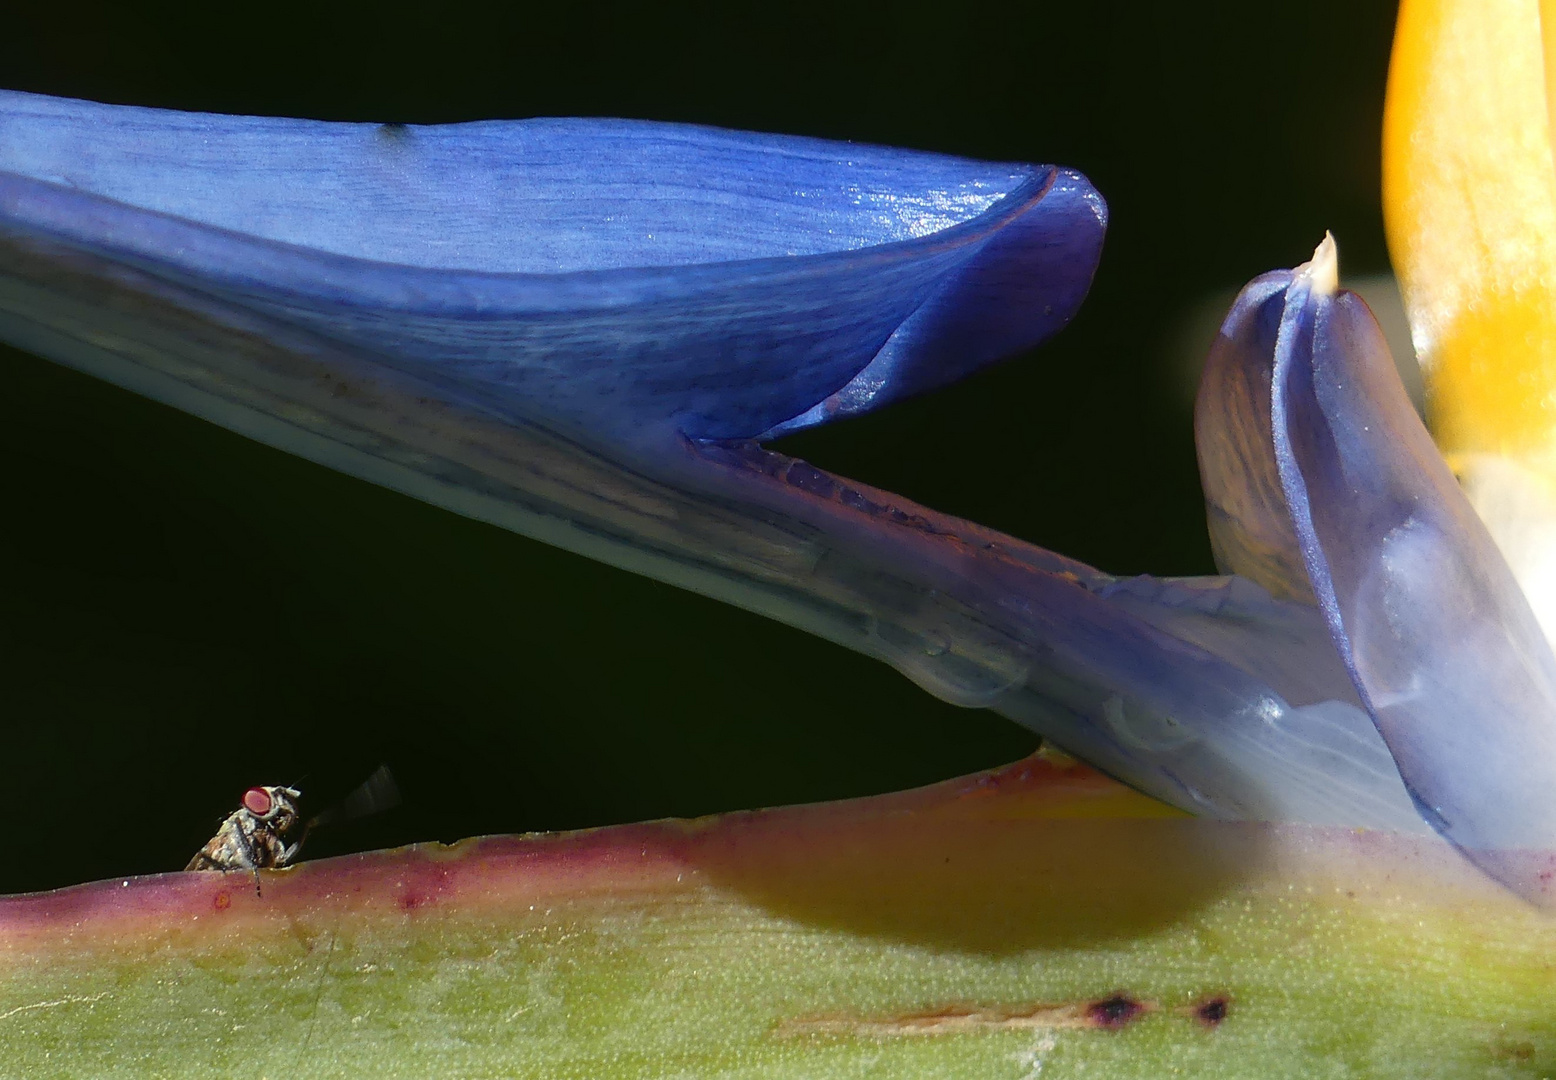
1322, 271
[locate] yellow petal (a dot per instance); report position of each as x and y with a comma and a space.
1470, 199
1470, 205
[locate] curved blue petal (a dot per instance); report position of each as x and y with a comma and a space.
1444, 648
1023, 287
634, 278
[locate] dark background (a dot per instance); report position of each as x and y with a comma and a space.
185, 613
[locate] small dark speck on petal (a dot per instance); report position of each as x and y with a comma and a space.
1114, 1012
394, 132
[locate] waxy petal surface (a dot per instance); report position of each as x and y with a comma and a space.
633, 279
1036, 916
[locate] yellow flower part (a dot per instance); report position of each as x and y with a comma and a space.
1469, 183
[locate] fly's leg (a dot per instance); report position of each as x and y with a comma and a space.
247, 844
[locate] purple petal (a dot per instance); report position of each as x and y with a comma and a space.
1250, 524
1443, 646
1208, 694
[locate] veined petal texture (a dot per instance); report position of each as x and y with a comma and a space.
1443, 646
627, 275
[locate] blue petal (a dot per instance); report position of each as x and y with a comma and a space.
633, 278
1444, 648
420, 329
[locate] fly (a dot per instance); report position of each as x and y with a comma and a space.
267, 831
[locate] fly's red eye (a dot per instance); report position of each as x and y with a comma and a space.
257, 801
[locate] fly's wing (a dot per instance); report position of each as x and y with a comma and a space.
374, 795
204, 858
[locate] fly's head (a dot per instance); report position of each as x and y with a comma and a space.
273, 809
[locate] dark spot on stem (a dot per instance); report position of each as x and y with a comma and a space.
1213, 1011
1114, 1012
